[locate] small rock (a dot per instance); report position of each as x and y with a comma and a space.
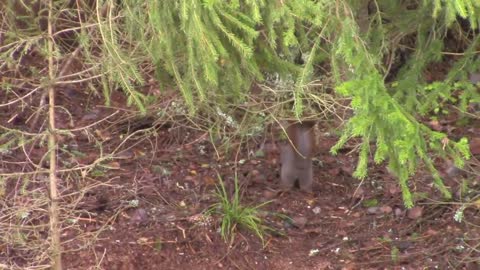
398, 212
316, 210
415, 212
299, 222
386, 209
268, 194
373, 210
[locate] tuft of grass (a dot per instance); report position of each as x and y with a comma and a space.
234, 214
394, 254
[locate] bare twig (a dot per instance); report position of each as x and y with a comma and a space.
52, 147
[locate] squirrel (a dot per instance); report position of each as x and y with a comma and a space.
296, 156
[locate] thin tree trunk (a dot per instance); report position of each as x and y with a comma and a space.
52, 148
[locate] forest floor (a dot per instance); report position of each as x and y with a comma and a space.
144, 208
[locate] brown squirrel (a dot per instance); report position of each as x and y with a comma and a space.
296, 156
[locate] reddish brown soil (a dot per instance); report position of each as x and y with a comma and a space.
145, 210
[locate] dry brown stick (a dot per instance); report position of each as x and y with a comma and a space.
52, 148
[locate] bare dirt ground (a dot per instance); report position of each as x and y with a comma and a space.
143, 209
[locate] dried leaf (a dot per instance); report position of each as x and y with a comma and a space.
208, 180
